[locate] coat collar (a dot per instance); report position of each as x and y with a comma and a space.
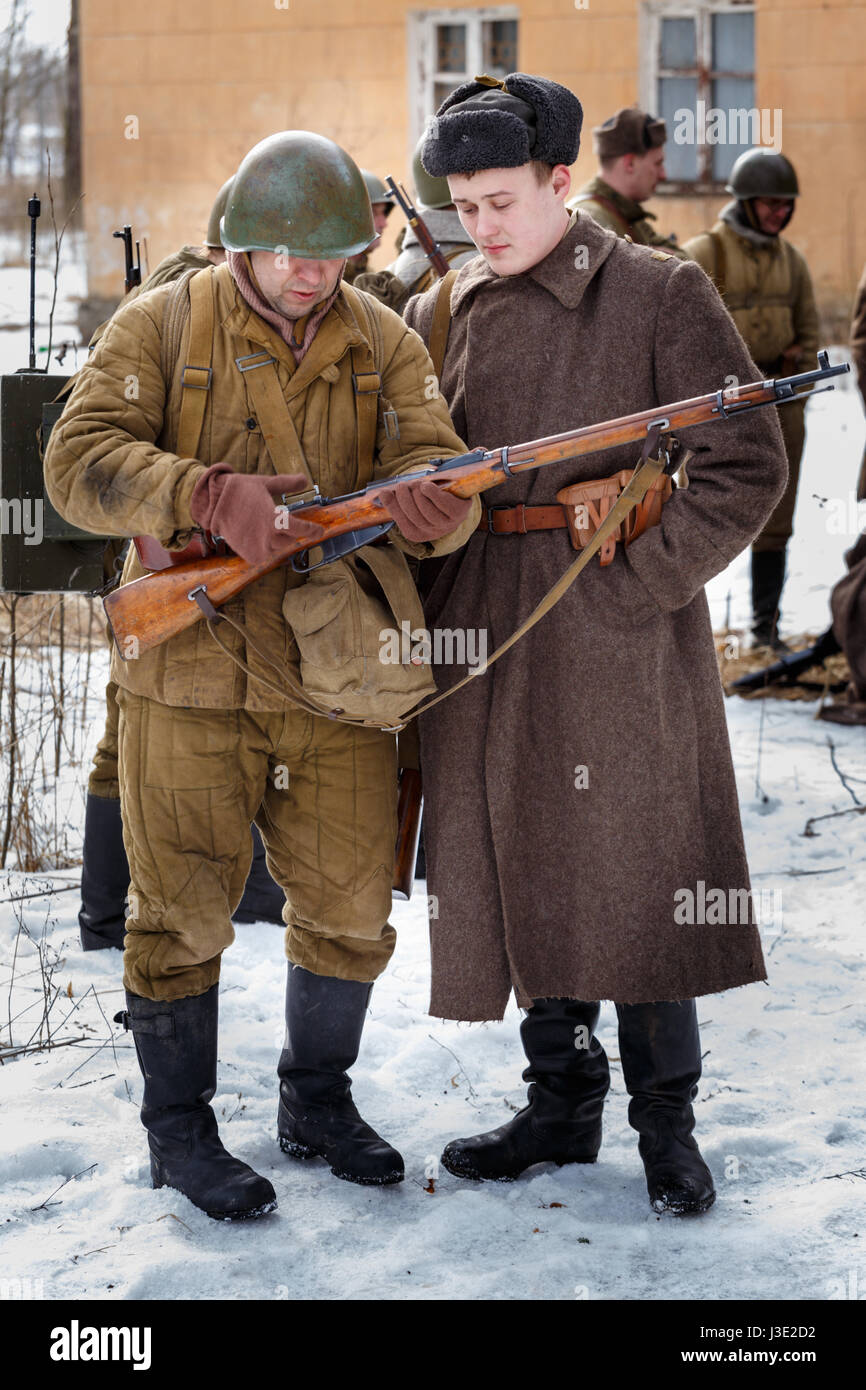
337, 333
562, 272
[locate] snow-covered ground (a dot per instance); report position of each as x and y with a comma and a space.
781, 1114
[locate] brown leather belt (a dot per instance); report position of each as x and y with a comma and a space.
516, 521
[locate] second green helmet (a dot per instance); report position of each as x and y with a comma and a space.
432, 192
213, 223
761, 173
378, 191
299, 193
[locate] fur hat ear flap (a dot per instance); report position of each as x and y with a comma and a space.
476, 140
558, 116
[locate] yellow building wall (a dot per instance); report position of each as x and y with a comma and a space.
171, 106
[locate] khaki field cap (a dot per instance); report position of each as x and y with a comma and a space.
299, 193
630, 131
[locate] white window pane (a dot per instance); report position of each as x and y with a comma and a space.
735, 96
451, 48
678, 95
499, 47
678, 43
733, 43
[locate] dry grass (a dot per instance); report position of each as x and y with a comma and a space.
736, 659
47, 645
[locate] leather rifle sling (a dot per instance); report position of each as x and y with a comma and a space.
649, 468
441, 324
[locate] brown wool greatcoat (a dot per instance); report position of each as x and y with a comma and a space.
555, 888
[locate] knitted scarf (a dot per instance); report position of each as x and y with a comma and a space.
298, 334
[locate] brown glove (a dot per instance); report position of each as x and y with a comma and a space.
424, 511
240, 508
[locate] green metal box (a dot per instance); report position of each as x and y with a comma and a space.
40, 552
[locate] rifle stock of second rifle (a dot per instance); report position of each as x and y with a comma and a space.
156, 607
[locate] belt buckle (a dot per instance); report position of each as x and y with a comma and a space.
506, 507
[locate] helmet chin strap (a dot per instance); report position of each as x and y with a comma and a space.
752, 216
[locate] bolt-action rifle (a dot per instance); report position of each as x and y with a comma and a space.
789, 667
132, 275
156, 607
429, 246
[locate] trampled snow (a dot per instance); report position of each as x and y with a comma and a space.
781, 1113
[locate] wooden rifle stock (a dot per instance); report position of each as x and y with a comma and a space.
152, 609
410, 802
431, 248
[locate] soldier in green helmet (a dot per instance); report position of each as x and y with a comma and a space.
104, 867
297, 381
411, 273
382, 203
767, 288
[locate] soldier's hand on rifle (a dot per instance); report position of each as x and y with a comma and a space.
424, 511
241, 508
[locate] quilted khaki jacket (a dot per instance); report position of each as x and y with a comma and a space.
110, 467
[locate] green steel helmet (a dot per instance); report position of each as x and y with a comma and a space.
379, 192
432, 193
299, 193
216, 212
762, 173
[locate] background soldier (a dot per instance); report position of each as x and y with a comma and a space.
202, 738
382, 203
564, 888
104, 867
630, 151
767, 288
412, 272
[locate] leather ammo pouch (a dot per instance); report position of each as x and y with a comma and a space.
353, 622
587, 504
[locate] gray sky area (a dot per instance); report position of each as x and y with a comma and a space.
46, 22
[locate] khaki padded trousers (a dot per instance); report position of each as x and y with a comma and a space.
324, 797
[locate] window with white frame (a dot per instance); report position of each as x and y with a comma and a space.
698, 74
448, 47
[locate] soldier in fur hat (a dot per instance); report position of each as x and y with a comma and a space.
583, 787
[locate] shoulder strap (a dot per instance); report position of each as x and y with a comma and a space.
428, 277
605, 203
367, 383
720, 263
441, 324
197, 372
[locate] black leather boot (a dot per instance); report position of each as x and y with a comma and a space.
660, 1048
104, 876
768, 580
562, 1122
263, 900
176, 1044
317, 1116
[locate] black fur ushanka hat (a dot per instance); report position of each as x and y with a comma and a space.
493, 124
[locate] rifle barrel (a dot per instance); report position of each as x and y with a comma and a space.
155, 607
